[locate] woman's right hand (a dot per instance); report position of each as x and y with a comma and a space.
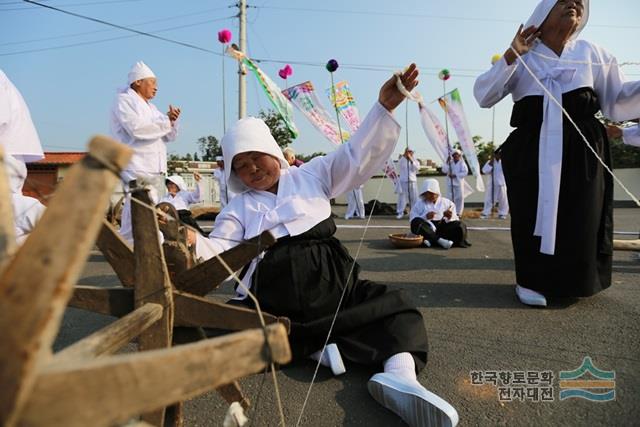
522, 42
430, 215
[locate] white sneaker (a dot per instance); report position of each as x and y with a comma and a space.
530, 297
502, 217
426, 243
331, 359
445, 243
483, 216
412, 402
400, 216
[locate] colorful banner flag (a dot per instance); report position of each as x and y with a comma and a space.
279, 102
345, 103
304, 97
437, 136
451, 103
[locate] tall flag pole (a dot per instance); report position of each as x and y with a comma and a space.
445, 75
224, 37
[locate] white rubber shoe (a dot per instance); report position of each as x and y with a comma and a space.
426, 243
530, 297
408, 399
445, 243
331, 359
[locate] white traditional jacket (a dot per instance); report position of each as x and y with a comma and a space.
421, 208
408, 169
183, 198
304, 193
581, 65
498, 175
459, 169
142, 126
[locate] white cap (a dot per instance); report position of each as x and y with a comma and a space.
140, 71
178, 180
456, 152
219, 159
248, 134
430, 185
542, 10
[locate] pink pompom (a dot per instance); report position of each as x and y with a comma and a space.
283, 74
224, 36
288, 70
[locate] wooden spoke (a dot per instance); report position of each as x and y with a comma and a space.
117, 252
626, 245
115, 302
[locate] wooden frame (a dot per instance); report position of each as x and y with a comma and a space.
84, 384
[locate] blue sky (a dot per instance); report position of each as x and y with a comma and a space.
70, 90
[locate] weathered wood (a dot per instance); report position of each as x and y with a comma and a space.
196, 311
177, 257
106, 391
170, 224
7, 230
118, 253
207, 276
36, 285
116, 302
152, 282
233, 393
112, 338
626, 245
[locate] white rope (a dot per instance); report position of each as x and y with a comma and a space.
566, 114
575, 61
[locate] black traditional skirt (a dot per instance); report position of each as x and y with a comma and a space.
581, 265
303, 277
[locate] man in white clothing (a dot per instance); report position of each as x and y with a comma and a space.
355, 203
456, 169
496, 190
409, 167
219, 175
135, 121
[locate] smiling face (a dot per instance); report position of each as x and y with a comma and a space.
258, 171
172, 188
566, 15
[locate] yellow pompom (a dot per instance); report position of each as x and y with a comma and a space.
495, 58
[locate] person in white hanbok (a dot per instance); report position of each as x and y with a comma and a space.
560, 196
434, 217
496, 191
408, 180
456, 170
355, 203
304, 275
219, 175
181, 198
136, 122
630, 135
21, 144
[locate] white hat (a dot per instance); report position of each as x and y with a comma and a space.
430, 185
456, 152
542, 10
219, 159
248, 134
177, 180
140, 71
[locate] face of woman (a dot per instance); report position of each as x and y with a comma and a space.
429, 197
566, 14
258, 171
172, 188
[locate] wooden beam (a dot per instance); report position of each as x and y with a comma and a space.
205, 277
626, 245
117, 252
152, 282
7, 227
112, 338
35, 287
110, 390
115, 302
192, 310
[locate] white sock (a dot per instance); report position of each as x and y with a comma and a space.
445, 243
426, 243
401, 364
325, 358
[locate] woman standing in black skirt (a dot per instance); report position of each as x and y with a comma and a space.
560, 195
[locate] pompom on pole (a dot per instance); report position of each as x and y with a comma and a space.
332, 65
495, 58
285, 72
444, 75
224, 36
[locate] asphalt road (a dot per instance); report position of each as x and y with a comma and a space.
474, 323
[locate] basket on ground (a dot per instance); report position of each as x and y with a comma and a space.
404, 241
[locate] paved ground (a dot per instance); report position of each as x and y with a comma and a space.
474, 323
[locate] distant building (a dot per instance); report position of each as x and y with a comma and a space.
43, 176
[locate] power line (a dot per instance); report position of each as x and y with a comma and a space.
142, 33
420, 15
68, 4
108, 30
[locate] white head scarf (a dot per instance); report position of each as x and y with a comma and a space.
140, 71
248, 134
219, 159
177, 180
542, 10
17, 173
430, 185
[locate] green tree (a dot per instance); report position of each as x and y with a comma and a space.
484, 149
277, 126
623, 155
306, 158
209, 148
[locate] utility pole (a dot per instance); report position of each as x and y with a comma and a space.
242, 71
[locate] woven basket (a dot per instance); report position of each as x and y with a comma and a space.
404, 241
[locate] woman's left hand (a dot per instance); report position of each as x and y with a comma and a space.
390, 97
